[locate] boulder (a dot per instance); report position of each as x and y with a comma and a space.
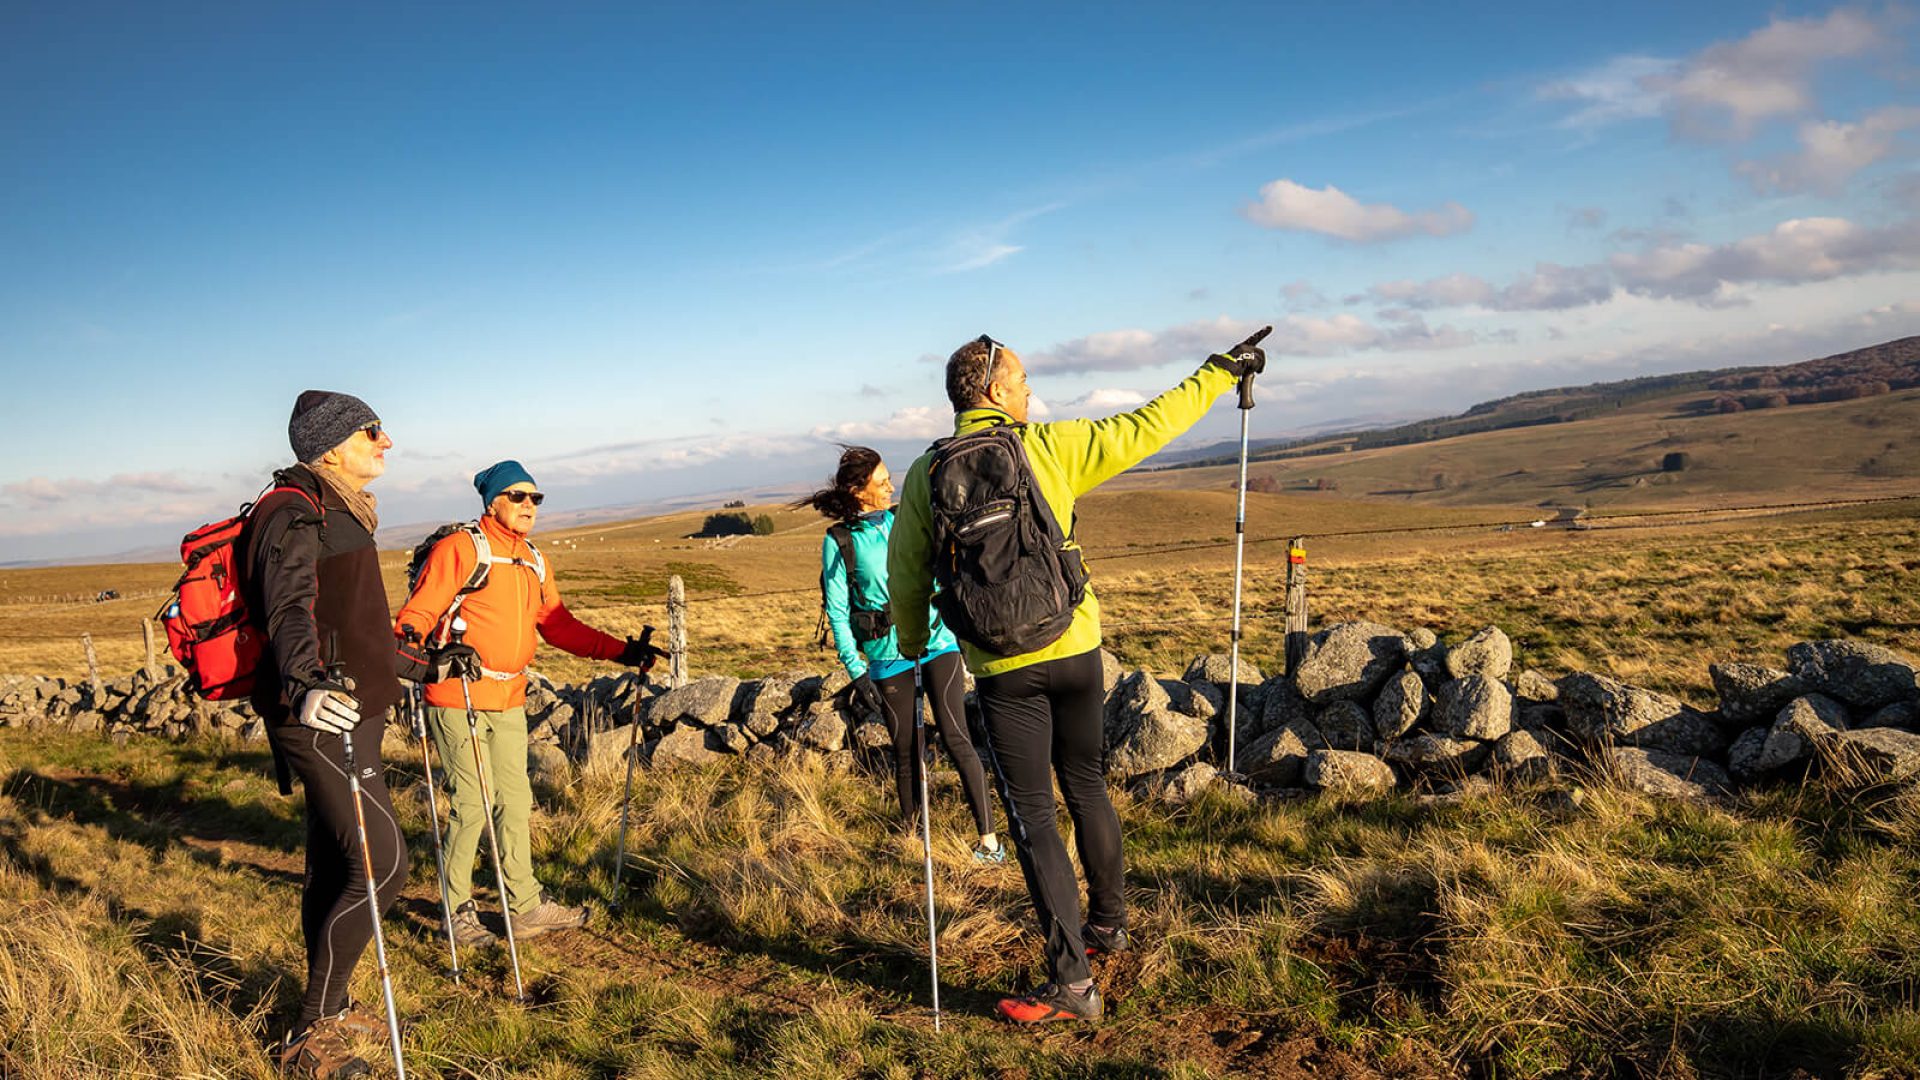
1603, 710
1156, 739
1474, 707
1488, 653
1187, 785
1880, 754
1202, 701
548, 767
1137, 693
1217, 668
1430, 752
1686, 732
1348, 772
1522, 758
684, 746
1751, 694
1423, 638
607, 749
1345, 725
872, 736
1111, 672
762, 754
1531, 686
1746, 757
1813, 717
1675, 776
1278, 757
822, 728
1349, 661
706, 702
1402, 704
758, 703
1862, 675
1540, 716
1900, 714
732, 738
1280, 705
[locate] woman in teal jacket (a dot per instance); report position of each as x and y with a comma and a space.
860, 502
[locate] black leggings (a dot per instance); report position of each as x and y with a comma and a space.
1046, 721
333, 908
948, 692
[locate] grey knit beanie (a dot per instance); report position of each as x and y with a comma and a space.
323, 420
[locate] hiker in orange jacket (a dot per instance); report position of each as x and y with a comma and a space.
518, 599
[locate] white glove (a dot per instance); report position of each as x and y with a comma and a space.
328, 707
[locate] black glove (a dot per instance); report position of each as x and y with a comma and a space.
1244, 359
867, 695
454, 660
638, 654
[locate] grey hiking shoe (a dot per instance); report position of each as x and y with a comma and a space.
321, 1053
1099, 940
467, 931
547, 915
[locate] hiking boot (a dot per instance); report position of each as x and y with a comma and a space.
358, 1021
1100, 941
992, 856
1051, 1002
547, 915
321, 1053
467, 931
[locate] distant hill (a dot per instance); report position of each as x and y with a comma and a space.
1867, 372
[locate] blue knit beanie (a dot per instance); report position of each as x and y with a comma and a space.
494, 479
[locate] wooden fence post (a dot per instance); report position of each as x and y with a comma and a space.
93, 665
677, 632
146, 638
1296, 603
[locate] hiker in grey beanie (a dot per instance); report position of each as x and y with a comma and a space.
322, 420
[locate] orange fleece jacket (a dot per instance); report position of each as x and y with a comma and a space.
501, 616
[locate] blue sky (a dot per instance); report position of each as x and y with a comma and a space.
680, 249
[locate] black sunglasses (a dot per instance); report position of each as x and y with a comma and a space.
534, 497
994, 350
374, 431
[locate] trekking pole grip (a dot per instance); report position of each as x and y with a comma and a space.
1246, 391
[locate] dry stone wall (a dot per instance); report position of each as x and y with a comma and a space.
1370, 709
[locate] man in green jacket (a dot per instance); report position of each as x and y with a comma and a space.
1044, 709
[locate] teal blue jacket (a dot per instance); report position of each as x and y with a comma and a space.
882, 655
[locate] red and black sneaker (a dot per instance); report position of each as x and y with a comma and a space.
1051, 1002
1100, 941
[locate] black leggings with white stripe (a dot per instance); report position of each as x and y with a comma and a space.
333, 909
947, 691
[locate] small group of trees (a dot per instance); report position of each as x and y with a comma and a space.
736, 524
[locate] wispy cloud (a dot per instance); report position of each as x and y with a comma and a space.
1294, 335
1729, 88
1618, 90
1832, 152
982, 246
913, 422
1284, 204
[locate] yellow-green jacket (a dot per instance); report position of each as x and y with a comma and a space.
1070, 458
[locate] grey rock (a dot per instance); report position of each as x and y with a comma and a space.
1202, 701
1217, 668
1157, 739
762, 754
1349, 661
1474, 707
1664, 775
1900, 714
1862, 675
1522, 758
872, 736
732, 738
1430, 752
1686, 732
1136, 693
608, 749
1111, 672
85, 721
548, 767
706, 702
1430, 663
688, 745
1348, 772
1280, 705
1488, 653
1402, 704
1188, 784
1751, 694
1278, 757
1345, 725
758, 703
1812, 717
1746, 757
823, 729
1880, 754
1531, 686
1602, 710
1423, 638
1540, 716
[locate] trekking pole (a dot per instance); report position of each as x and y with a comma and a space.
1239, 558
626, 800
459, 631
926, 834
337, 673
433, 812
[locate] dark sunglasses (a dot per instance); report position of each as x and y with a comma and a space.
374, 431
994, 349
534, 497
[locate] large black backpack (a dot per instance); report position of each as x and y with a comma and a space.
1009, 579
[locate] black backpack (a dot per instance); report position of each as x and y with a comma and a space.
868, 625
1009, 581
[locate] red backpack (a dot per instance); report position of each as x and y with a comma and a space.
209, 629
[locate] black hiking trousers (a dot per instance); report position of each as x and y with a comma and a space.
333, 908
1045, 722
947, 690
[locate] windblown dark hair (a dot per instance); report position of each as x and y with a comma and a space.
837, 500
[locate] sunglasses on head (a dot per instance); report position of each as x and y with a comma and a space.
994, 349
534, 497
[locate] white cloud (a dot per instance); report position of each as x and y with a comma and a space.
1615, 91
1294, 335
913, 422
1549, 287
1302, 294
1796, 251
1729, 88
1831, 152
1284, 204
